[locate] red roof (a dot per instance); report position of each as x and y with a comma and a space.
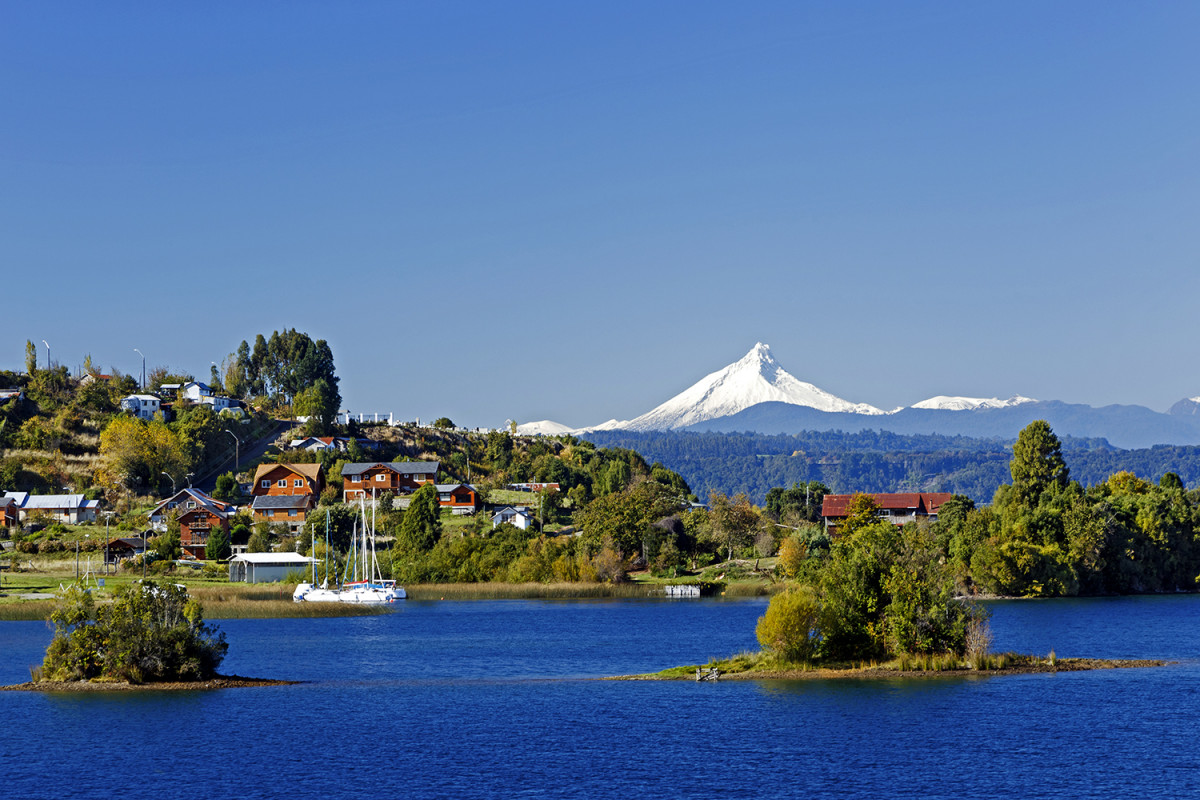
834, 505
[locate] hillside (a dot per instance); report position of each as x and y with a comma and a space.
873, 461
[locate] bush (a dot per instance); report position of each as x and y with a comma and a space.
149, 633
789, 628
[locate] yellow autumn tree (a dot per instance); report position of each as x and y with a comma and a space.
136, 452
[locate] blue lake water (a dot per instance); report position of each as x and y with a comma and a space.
496, 699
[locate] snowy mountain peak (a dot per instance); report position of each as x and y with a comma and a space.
945, 403
755, 378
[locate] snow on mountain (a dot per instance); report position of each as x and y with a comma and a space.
543, 427
945, 403
756, 378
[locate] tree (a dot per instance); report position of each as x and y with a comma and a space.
319, 404
443, 423
422, 526
734, 521
226, 488
860, 513
149, 633
30, 357
136, 453
789, 628
1037, 462
218, 547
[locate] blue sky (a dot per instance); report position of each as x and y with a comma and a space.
573, 211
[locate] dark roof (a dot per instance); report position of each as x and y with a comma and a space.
409, 467
280, 501
201, 499
834, 505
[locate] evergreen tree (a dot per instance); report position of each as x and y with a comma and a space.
422, 527
1037, 462
218, 548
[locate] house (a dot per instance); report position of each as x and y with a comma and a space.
143, 406
10, 513
11, 394
125, 548
69, 508
895, 508
94, 377
330, 443
519, 516
267, 567
373, 479
198, 514
286, 492
460, 498
201, 394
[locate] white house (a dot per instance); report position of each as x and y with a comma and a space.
518, 516
202, 394
69, 508
266, 567
144, 406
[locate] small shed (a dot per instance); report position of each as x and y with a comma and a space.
266, 567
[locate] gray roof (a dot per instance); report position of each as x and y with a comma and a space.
280, 501
200, 498
35, 501
407, 467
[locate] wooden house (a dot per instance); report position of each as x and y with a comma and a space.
370, 480
460, 498
198, 514
286, 492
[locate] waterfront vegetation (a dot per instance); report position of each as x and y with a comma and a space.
149, 633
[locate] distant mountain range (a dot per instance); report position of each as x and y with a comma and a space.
755, 394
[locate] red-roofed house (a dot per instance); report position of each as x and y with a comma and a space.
895, 508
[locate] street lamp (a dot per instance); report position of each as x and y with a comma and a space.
143, 355
172, 483
107, 519
237, 447
47, 353
190, 475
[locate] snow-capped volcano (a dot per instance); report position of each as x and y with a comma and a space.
944, 403
756, 378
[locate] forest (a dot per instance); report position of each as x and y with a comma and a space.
870, 461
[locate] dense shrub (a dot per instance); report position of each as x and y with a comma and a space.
150, 633
790, 627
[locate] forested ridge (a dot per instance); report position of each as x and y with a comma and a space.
879, 461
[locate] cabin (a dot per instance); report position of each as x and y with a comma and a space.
461, 498
286, 492
125, 548
896, 508
10, 514
372, 479
519, 516
266, 567
198, 514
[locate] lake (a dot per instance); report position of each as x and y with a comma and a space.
497, 699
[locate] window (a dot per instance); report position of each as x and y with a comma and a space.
191, 504
381, 477
282, 482
356, 478
298, 483
266, 484
291, 512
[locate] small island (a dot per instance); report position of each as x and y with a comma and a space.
880, 603
152, 636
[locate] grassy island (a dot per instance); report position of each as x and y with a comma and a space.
761, 666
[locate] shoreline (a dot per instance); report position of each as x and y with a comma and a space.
1030, 666
76, 687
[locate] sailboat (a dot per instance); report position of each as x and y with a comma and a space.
361, 582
